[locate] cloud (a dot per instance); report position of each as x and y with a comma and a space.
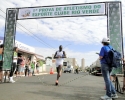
80, 30
69, 29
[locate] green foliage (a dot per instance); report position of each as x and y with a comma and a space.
41, 62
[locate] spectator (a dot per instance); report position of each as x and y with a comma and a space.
22, 66
32, 68
1, 61
14, 65
37, 67
19, 60
77, 71
106, 70
27, 70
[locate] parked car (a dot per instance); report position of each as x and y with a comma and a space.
69, 69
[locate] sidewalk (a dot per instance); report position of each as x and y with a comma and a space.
17, 77
41, 73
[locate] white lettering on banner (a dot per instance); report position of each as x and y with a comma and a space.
60, 11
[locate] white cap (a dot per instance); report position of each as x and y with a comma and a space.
106, 40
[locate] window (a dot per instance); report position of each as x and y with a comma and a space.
64, 63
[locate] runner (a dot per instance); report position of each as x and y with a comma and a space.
59, 55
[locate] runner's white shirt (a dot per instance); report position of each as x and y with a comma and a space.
59, 61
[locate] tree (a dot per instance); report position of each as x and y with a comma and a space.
41, 63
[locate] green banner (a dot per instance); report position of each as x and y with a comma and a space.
63, 10
9, 38
115, 28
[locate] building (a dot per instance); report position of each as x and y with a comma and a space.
27, 51
67, 61
71, 61
82, 63
49, 65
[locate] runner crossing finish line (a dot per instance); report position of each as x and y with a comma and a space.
59, 55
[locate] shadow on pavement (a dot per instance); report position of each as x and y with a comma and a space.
61, 96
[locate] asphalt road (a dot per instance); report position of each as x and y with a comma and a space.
71, 87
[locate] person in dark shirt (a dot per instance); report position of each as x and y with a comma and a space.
27, 67
1, 61
19, 60
77, 70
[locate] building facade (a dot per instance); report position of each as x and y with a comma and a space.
67, 62
27, 52
82, 63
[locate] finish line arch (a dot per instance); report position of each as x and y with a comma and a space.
113, 11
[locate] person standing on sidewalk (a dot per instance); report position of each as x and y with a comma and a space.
19, 60
1, 62
37, 67
106, 70
15, 57
59, 55
22, 66
27, 70
32, 68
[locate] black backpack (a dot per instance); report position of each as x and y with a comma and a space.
113, 58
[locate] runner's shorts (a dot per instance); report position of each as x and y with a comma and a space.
58, 69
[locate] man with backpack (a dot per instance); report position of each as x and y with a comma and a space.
59, 55
106, 67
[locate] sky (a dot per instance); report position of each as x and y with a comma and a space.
79, 36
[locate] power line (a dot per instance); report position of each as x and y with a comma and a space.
2, 16
36, 36
31, 33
